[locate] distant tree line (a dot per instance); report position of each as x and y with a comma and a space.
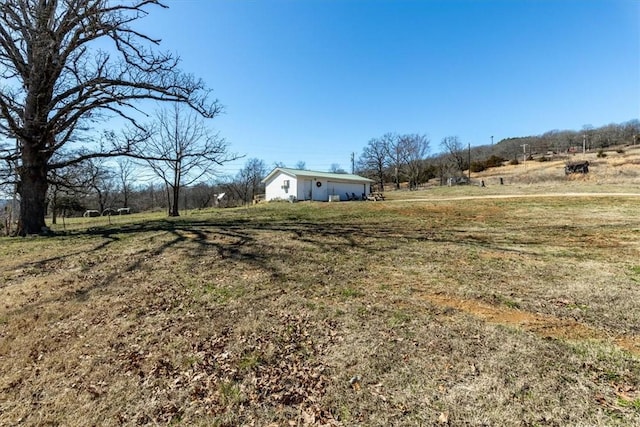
393, 158
566, 141
106, 187
59, 80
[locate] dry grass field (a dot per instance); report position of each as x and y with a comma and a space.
440, 307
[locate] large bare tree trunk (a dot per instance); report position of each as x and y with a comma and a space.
57, 80
168, 193
33, 192
176, 198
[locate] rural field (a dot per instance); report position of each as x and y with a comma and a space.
437, 307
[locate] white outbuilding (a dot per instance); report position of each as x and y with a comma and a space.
299, 184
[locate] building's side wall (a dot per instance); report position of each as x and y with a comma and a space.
345, 189
276, 188
329, 188
307, 188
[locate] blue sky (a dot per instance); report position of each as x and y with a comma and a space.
315, 80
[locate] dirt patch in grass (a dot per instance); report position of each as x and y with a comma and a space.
542, 325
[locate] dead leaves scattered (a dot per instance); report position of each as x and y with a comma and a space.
232, 372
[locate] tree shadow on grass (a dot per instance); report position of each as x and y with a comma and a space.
243, 240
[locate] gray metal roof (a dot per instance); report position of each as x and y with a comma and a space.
344, 177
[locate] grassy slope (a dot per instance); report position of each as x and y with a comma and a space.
338, 314
618, 170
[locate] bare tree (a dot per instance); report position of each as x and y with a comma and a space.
415, 148
456, 152
66, 186
374, 160
247, 182
202, 195
300, 165
181, 150
396, 154
403, 154
57, 79
100, 181
126, 176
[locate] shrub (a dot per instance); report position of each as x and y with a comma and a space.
543, 159
478, 166
494, 161
601, 154
491, 162
514, 162
620, 151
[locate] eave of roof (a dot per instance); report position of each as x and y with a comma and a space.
317, 174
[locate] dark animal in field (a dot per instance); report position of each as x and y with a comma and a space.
576, 167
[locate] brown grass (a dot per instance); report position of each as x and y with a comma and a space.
518, 311
619, 169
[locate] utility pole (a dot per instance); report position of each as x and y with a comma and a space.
353, 163
491, 139
524, 156
584, 144
469, 159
